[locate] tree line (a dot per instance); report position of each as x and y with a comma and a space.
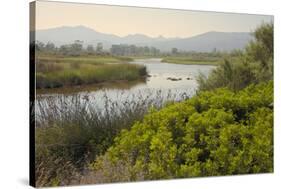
74, 49
79, 48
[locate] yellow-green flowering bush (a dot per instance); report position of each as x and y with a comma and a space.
214, 133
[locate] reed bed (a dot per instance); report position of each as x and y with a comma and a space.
72, 131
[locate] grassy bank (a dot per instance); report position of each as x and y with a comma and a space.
89, 59
144, 57
53, 72
191, 60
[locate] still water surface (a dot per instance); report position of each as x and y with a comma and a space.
166, 81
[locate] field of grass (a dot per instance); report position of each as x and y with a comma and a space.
192, 60
55, 71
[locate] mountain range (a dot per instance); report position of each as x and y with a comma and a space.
223, 41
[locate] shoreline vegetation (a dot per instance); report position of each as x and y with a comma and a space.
226, 128
56, 71
71, 133
118, 84
191, 61
76, 143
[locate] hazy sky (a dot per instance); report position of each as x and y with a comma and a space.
122, 21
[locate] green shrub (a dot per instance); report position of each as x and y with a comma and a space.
234, 76
215, 133
254, 65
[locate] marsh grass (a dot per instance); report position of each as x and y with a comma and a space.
53, 75
192, 60
72, 131
85, 59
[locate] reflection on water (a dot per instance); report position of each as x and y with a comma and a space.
161, 76
161, 72
68, 90
171, 81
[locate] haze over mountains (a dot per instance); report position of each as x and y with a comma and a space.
223, 41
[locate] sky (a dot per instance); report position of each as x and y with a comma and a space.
152, 22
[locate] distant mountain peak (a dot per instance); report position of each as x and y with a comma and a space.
224, 41
83, 27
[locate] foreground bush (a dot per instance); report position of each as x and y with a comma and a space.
72, 130
214, 133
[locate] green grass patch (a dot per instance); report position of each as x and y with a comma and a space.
53, 72
86, 59
192, 61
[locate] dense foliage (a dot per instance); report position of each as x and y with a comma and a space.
72, 130
214, 133
78, 48
254, 65
133, 50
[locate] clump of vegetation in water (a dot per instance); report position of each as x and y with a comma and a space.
194, 59
73, 71
214, 133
